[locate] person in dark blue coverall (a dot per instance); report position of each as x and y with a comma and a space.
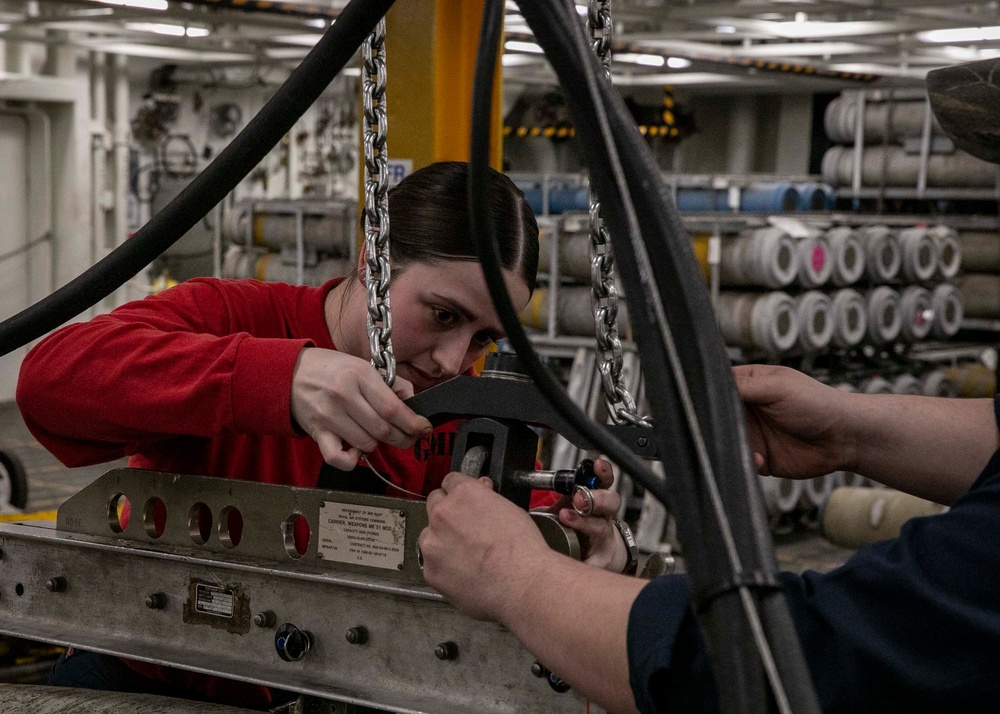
906, 625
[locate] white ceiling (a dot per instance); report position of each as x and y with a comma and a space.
789, 45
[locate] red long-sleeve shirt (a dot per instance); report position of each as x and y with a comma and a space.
198, 380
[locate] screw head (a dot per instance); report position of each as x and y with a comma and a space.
155, 601
539, 670
264, 619
56, 585
446, 651
357, 635
642, 441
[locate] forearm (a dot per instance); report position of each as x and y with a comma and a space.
931, 447
574, 619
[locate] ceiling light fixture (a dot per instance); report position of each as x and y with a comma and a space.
163, 28
647, 60
961, 34
516, 46
140, 4
725, 30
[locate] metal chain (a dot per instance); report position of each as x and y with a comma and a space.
621, 405
377, 270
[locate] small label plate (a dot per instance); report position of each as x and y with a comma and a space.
362, 535
211, 600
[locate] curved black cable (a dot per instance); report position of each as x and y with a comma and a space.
243, 153
481, 229
679, 292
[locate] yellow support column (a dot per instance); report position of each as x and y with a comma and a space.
430, 58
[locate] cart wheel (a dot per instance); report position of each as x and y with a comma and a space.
13, 481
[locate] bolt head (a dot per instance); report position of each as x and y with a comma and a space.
643, 441
446, 651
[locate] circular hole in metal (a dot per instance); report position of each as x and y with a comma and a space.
19, 590
119, 511
297, 534
154, 517
230, 526
200, 523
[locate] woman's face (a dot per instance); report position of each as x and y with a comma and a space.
443, 318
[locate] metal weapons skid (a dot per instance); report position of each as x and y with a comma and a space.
352, 617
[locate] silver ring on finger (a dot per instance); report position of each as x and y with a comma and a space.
589, 495
420, 557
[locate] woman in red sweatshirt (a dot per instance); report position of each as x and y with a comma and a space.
268, 382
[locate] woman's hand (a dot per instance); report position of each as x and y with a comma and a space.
601, 544
344, 405
798, 427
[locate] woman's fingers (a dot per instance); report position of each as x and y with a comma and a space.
334, 453
392, 410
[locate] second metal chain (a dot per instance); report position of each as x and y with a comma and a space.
621, 405
377, 270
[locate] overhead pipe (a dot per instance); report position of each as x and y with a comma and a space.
99, 145
917, 313
883, 257
956, 170
815, 264
980, 251
920, 254
949, 310
884, 316
980, 294
764, 257
121, 130
890, 122
848, 256
766, 322
816, 325
849, 315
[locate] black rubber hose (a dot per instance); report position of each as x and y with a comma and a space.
247, 149
481, 229
707, 372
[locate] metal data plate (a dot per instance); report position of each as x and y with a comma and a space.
216, 606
